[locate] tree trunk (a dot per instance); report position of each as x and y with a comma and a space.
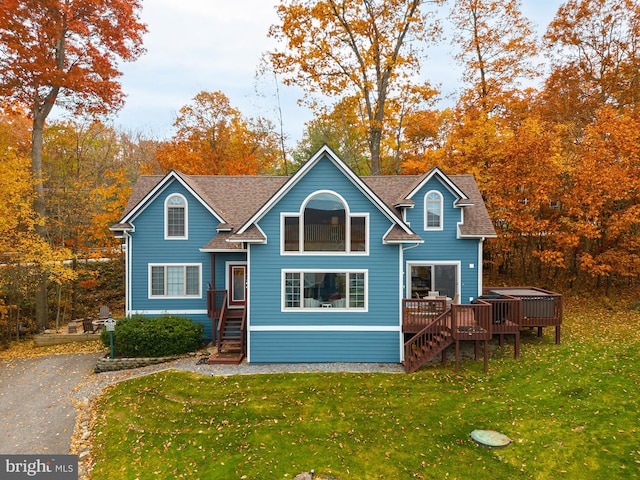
41, 300
375, 137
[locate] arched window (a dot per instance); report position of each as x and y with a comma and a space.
433, 211
324, 224
176, 217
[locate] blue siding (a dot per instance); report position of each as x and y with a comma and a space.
444, 246
149, 246
327, 335
325, 347
265, 280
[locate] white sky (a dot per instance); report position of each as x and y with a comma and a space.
196, 45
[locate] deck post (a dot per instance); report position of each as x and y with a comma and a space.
486, 356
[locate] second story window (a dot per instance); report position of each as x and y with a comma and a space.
433, 211
325, 225
176, 217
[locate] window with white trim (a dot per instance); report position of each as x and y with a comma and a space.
324, 225
324, 290
427, 278
433, 210
176, 281
175, 217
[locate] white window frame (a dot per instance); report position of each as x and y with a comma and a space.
426, 211
166, 218
326, 307
430, 263
184, 265
348, 216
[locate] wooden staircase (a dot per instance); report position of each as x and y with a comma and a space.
230, 335
230, 338
433, 339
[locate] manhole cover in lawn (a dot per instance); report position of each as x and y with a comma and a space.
490, 438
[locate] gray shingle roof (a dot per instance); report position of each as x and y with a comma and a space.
477, 223
237, 198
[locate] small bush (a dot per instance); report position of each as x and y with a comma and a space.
140, 336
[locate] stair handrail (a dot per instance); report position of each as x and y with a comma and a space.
424, 339
222, 322
243, 332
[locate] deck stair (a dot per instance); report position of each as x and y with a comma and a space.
230, 339
230, 334
432, 340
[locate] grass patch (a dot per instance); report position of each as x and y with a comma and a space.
571, 410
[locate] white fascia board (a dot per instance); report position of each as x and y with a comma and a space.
478, 236
262, 240
452, 187
159, 188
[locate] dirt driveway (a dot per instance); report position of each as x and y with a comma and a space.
37, 414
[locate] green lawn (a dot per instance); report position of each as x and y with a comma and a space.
572, 411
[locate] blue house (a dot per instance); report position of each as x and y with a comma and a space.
316, 267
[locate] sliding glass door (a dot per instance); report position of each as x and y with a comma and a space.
426, 278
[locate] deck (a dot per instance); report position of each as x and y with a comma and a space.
430, 325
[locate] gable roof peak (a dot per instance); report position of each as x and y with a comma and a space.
448, 183
326, 152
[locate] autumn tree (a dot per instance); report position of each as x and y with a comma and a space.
496, 46
340, 129
591, 98
364, 50
213, 138
64, 52
88, 181
603, 210
425, 140
413, 105
594, 47
23, 253
83, 165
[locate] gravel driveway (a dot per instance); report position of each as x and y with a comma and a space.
37, 414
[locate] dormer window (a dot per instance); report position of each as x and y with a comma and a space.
175, 217
325, 225
433, 210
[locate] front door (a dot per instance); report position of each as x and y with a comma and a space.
237, 278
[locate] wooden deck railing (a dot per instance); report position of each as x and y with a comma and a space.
243, 332
506, 318
471, 321
499, 311
418, 313
432, 339
216, 302
540, 308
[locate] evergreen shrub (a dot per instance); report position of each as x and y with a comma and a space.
140, 336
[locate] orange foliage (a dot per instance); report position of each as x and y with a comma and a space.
66, 52
214, 139
367, 51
